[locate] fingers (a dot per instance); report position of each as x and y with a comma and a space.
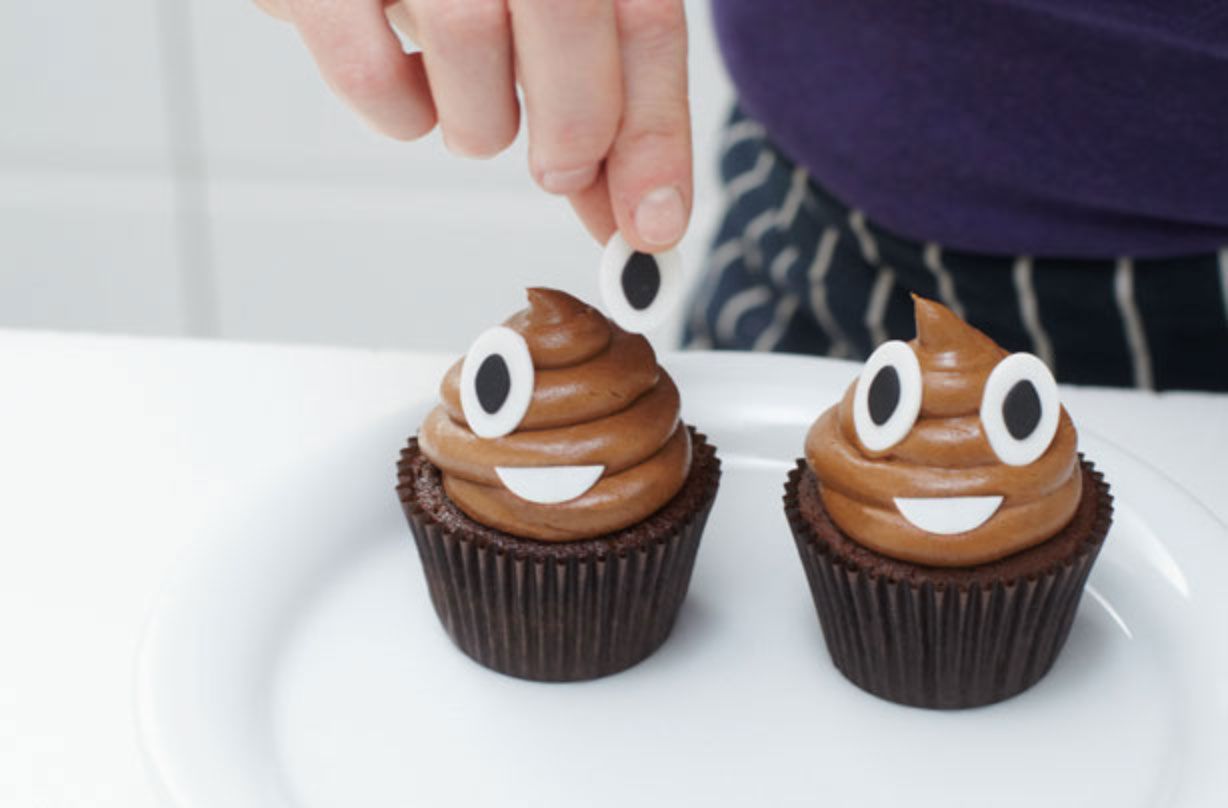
592, 205
567, 61
361, 59
604, 82
468, 51
649, 166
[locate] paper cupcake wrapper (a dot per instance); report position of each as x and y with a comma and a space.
943, 647
574, 617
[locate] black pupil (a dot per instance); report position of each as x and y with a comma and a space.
1021, 409
641, 280
884, 394
492, 383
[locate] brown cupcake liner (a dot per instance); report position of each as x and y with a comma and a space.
559, 611
965, 641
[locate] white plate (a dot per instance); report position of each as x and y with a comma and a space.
297, 660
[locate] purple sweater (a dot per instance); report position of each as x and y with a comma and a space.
1078, 128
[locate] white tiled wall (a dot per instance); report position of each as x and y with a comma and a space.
84, 251
87, 221
82, 87
177, 167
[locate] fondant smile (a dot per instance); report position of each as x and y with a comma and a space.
549, 485
947, 516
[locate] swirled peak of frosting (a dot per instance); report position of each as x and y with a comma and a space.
601, 405
945, 469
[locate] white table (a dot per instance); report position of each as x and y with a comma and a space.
114, 450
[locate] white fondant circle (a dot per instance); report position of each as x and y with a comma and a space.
878, 437
511, 346
1013, 369
947, 516
669, 295
549, 485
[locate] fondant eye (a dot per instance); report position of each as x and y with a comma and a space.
496, 383
1020, 409
887, 398
639, 289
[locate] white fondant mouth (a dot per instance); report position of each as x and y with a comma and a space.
947, 516
549, 485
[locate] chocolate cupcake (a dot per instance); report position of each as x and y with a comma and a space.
556, 498
945, 519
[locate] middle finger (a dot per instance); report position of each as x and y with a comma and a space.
467, 48
568, 61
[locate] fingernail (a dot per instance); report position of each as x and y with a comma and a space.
570, 181
661, 216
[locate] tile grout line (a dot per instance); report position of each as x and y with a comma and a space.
193, 237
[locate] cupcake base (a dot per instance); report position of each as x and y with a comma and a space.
556, 611
941, 637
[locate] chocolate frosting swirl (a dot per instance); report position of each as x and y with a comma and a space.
947, 454
599, 398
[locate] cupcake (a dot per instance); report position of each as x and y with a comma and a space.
945, 519
555, 497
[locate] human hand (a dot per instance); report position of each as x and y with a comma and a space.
604, 85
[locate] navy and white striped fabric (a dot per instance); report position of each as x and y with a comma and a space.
792, 269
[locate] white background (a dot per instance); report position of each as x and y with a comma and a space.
177, 167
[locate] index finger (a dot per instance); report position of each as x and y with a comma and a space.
649, 167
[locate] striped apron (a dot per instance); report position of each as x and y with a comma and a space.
792, 269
